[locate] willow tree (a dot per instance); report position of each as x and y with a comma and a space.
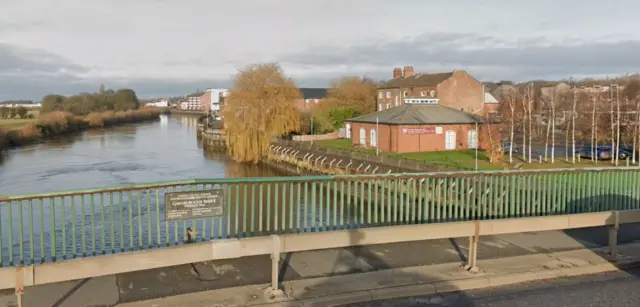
261, 105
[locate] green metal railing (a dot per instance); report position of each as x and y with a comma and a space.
52, 226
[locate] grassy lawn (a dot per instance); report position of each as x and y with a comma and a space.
461, 159
17, 122
465, 159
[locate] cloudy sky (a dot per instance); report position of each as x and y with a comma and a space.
170, 47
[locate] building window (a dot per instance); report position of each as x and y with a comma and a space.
406, 94
432, 93
450, 140
472, 139
363, 137
388, 94
388, 105
397, 100
379, 95
373, 138
423, 94
348, 131
379, 107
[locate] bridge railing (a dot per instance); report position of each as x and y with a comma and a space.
65, 225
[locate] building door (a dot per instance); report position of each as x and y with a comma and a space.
450, 140
373, 138
472, 139
348, 131
363, 137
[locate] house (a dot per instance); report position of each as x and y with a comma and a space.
212, 99
193, 102
415, 126
310, 98
456, 89
491, 104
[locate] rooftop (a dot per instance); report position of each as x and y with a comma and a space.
313, 93
418, 80
416, 114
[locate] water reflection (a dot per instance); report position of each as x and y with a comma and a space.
150, 152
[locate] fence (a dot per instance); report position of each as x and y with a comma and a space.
65, 225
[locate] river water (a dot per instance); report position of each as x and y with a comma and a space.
161, 151
164, 150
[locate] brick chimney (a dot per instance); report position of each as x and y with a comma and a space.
397, 73
408, 71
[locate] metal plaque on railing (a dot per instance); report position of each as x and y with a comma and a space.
193, 204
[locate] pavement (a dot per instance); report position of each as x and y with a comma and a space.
303, 267
618, 288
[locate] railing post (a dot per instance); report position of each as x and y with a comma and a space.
19, 284
472, 258
613, 235
275, 290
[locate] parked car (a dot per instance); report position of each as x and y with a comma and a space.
604, 152
507, 145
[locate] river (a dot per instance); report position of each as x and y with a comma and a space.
163, 150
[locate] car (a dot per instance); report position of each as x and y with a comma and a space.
604, 152
507, 145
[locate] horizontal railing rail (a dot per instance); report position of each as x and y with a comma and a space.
274, 245
48, 227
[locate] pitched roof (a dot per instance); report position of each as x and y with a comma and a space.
418, 80
313, 93
416, 114
488, 98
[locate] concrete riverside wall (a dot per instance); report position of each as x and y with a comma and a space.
382, 163
320, 137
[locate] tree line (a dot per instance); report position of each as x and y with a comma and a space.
14, 112
85, 103
577, 117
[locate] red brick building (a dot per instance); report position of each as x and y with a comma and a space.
418, 125
311, 98
456, 89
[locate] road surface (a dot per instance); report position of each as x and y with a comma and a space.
620, 289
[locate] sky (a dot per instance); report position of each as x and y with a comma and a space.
172, 48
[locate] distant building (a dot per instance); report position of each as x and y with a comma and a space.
213, 99
311, 97
163, 103
193, 102
456, 89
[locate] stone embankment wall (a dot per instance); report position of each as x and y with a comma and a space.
305, 157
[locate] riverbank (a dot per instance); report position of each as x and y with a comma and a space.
59, 123
185, 112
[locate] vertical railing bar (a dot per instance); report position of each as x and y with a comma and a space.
276, 207
253, 209
313, 226
42, 231
320, 224
306, 207
245, 214
52, 228
112, 223
139, 218
158, 231
147, 197
63, 223
31, 234
73, 226
268, 226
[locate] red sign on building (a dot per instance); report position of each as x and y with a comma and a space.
429, 130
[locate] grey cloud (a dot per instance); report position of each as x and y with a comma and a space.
33, 61
486, 56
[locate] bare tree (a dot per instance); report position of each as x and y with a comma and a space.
524, 125
637, 125
594, 129
530, 107
573, 127
613, 139
553, 128
511, 100
617, 124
